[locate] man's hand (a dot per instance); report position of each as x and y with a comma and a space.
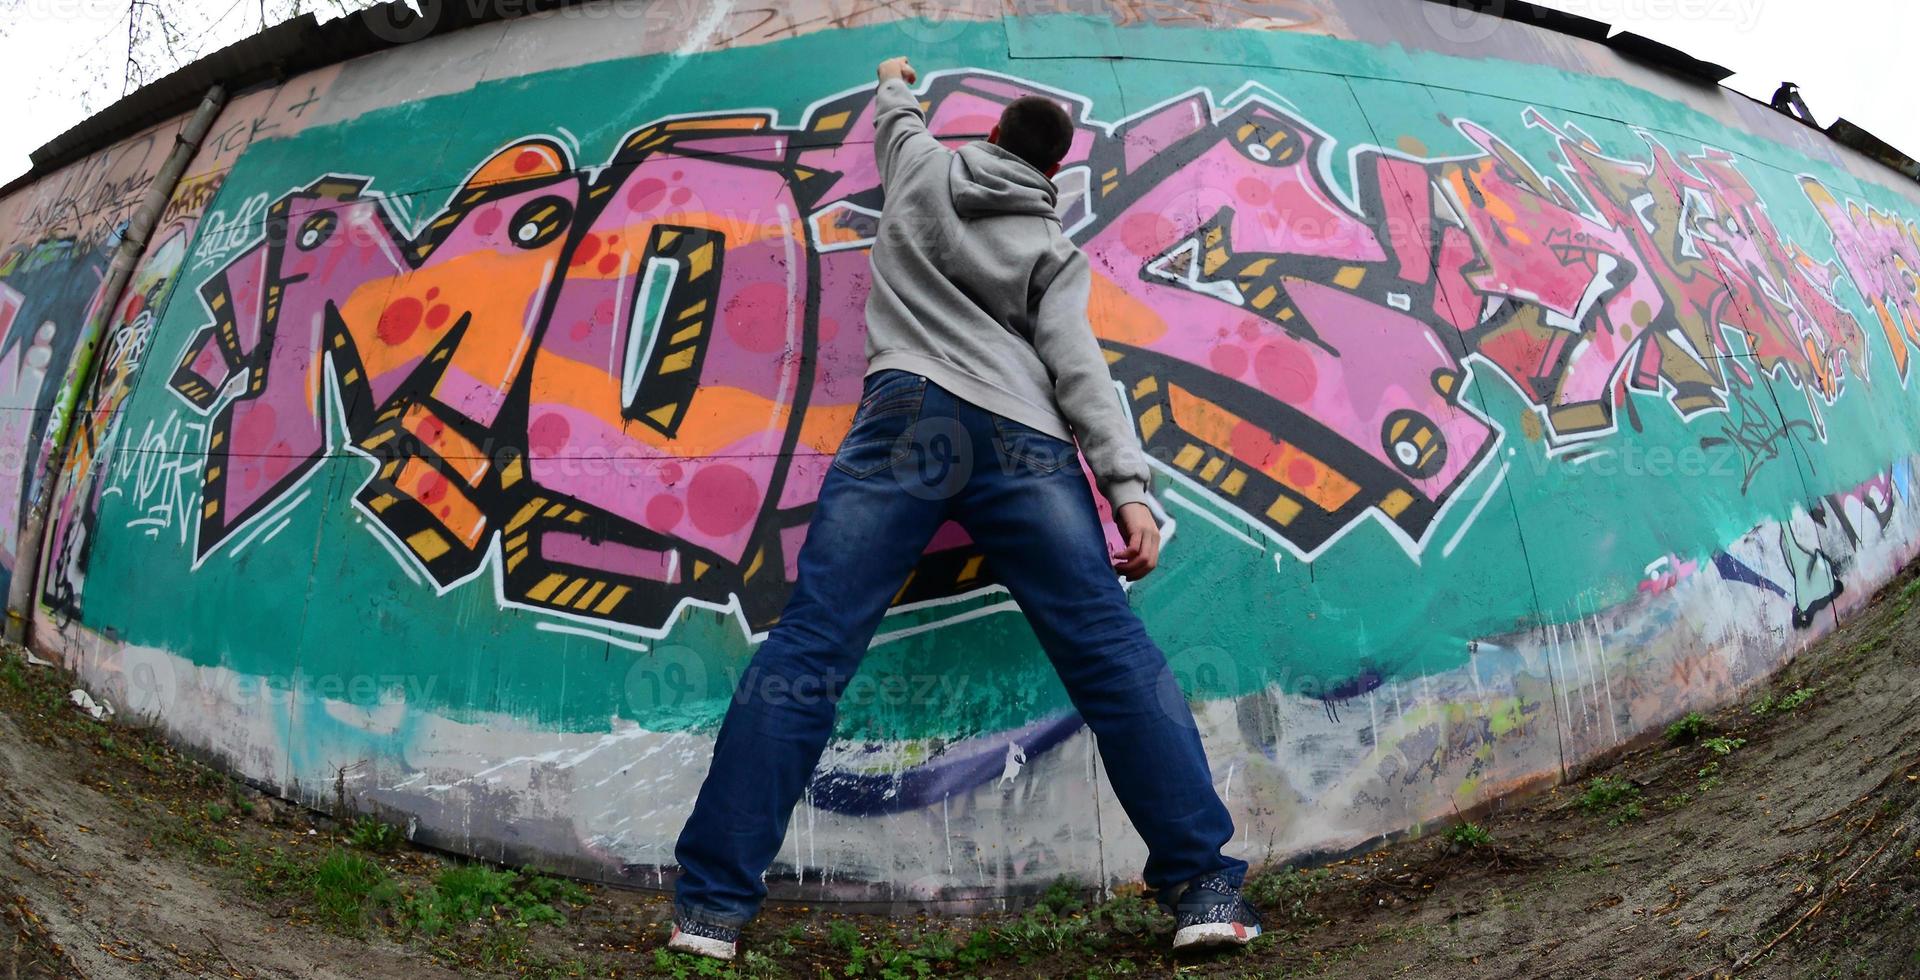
1142, 550
896, 68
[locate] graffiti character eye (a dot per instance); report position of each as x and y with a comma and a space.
540, 221
1267, 141
1414, 444
316, 229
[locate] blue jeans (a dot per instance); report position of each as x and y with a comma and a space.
916, 457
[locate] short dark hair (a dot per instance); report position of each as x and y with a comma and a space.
1035, 129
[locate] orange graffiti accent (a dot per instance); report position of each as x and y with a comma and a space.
1286, 463
1121, 317
825, 425
520, 162
396, 321
445, 500
458, 451
721, 415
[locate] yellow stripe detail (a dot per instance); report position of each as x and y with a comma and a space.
700, 261
613, 599
1283, 511
428, 544
539, 593
587, 599
1150, 422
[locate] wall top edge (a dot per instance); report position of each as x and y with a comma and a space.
304, 43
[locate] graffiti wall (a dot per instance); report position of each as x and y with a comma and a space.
1501, 411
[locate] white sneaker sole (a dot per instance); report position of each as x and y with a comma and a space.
716, 949
1215, 934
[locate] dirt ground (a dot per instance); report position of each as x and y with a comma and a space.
1775, 838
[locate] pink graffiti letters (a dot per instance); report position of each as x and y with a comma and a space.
622, 384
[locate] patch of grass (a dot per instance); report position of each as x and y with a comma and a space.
1690, 727
343, 886
680, 966
1613, 797
1722, 745
783, 944
887, 959
373, 834
1771, 703
842, 935
1040, 933
1467, 835
1131, 915
1905, 599
1282, 893
1710, 776
756, 965
1063, 897
476, 893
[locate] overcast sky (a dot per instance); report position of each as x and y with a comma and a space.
67, 58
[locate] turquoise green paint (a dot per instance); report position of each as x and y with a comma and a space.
324, 597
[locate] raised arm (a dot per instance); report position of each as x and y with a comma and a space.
899, 126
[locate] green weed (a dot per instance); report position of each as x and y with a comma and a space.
1613, 797
343, 885
1710, 776
842, 935
1771, 703
474, 892
1063, 897
1722, 745
1284, 892
371, 834
1467, 835
1689, 727
683, 966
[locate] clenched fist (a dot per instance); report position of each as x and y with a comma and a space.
1142, 549
896, 67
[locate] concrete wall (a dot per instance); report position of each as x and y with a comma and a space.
452, 449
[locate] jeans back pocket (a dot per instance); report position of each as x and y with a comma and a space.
888, 408
1026, 449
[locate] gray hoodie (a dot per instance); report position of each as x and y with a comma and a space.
976, 289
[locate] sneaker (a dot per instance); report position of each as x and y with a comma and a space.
1210, 912
703, 939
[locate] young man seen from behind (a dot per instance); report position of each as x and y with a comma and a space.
982, 374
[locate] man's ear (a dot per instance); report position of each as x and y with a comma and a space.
994, 136
1052, 170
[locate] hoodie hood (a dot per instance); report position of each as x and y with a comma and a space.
986, 179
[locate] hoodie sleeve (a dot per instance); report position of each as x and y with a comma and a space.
1083, 387
899, 130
